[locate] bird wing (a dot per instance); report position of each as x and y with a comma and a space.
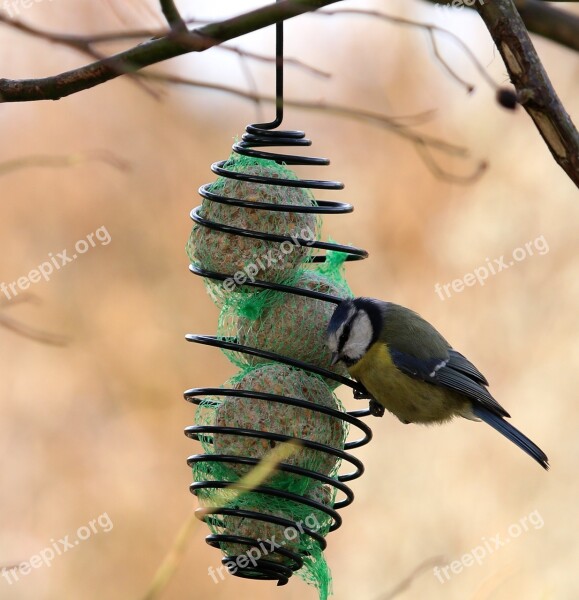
454, 372
458, 362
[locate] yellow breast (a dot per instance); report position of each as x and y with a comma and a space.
411, 400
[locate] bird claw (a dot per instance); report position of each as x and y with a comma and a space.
376, 409
361, 394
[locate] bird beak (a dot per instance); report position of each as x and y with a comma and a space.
335, 358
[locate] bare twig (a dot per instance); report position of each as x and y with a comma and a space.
435, 168
534, 89
78, 43
400, 125
67, 160
31, 333
432, 31
252, 85
24, 330
290, 62
407, 581
397, 125
173, 16
550, 22
150, 52
85, 43
178, 42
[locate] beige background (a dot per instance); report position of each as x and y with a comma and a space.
96, 426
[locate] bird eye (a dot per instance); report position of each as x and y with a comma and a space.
345, 334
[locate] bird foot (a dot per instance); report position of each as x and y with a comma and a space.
376, 409
361, 394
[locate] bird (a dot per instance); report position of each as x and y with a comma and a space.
406, 367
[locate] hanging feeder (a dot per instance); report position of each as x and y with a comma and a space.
272, 325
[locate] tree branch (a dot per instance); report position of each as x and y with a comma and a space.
173, 16
66, 160
424, 144
534, 90
433, 31
25, 330
152, 52
547, 21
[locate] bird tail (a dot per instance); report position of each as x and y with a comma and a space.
512, 433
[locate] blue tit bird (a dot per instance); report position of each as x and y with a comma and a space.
409, 369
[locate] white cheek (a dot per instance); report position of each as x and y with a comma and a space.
360, 337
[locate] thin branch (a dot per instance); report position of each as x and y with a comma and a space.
66, 160
407, 581
152, 52
291, 62
426, 155
550, 22
432, 30
534, 89
397, 125
389, 123
78, 43
32, 333
400, 125
252, 85
432, 37
176, 43
173, 16
85, 43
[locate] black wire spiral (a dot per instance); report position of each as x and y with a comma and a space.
260, 136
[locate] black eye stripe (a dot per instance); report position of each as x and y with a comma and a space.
344, 336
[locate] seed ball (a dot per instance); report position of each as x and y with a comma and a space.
276, 417
287, 536
291, 325
234, 254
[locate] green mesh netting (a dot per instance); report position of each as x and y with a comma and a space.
292, 536
245, 256
298, 422
287, 324
275, 417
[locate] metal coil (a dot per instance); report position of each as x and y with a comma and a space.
261, 136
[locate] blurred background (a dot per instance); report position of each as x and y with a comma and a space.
96, 426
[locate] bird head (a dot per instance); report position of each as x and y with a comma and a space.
353, 328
